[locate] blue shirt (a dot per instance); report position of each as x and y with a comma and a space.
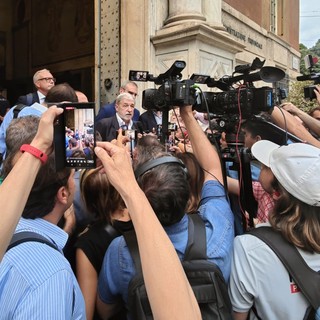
118, 267
36, 281
109, 110
35, 110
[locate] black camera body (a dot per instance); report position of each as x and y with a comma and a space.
172, 91
168, 95
229, 105
250, 100
308, 91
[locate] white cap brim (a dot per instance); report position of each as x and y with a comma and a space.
262, 150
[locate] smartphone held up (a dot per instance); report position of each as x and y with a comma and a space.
74, 136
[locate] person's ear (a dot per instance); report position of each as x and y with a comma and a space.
63, 195
258, 138
37, 84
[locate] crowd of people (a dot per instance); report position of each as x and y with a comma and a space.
76, 263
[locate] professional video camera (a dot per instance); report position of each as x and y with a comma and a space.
243, 99
310, 63
172, 91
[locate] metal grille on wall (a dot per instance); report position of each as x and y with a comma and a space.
109, 50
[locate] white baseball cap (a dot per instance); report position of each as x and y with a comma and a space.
296, 166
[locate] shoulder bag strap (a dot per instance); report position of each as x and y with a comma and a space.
132, 243
197, 244
306, 279
17, 109
26, 236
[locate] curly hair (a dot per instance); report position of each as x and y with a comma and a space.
298, 222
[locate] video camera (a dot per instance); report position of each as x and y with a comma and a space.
172, 91
176, 92
244, 99
310, 63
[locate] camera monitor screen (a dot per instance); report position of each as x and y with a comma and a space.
75, 136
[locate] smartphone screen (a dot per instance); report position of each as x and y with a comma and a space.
74, 146
138, 75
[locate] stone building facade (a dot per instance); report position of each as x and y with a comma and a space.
211, 36
92, 44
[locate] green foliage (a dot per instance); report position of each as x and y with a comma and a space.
296, 95
314, 52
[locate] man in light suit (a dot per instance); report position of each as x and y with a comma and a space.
43, 81
108, 127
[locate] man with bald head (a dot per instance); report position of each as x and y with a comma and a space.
43, 81
109, 127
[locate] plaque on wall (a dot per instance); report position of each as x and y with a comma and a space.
61, 30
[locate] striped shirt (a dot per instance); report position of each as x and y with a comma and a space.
36, 281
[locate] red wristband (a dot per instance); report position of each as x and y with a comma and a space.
35, 152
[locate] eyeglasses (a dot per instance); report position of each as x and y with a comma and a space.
48, 79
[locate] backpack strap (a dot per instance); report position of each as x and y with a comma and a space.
306, 279
26, 236
132, 243
197, 246
17, 109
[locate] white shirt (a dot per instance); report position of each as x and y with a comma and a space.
122, 123
257, 275
41, 97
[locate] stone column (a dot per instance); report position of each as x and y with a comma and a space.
184, 10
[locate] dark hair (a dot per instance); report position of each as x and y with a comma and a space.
100, 197
167, 190
257, 127
298, 222
195, 179
42, 197
148, 147
61, 92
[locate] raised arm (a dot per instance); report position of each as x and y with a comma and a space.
170, 294
205, 153
17, 185
310, 122
283, 119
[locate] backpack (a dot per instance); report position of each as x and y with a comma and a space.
305, 278
205, 277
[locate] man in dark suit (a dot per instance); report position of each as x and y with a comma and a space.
150, 120
43, 81
108, 127
109, 110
